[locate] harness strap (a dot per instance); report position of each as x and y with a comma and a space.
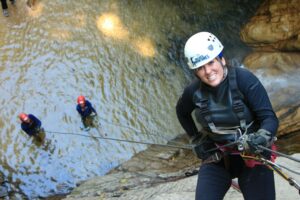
248, 162
204, 111
237, 104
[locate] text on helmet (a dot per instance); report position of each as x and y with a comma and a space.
198, 58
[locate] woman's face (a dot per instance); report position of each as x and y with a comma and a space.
211, 73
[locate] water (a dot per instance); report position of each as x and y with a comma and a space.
124, 56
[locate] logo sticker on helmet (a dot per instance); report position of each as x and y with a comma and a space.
198, 58
210, 47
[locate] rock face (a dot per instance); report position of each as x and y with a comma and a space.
275, 26
274, 34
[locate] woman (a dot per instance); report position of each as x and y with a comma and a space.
228, 103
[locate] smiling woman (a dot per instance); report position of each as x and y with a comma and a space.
118, 54
212, 73
229, 103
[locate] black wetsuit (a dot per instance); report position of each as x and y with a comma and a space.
215, 178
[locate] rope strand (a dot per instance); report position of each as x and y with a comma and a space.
278, 153
136, 130
121, 140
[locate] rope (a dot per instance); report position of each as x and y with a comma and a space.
239, 141
135, 130
278, 153
275, 168
293, 171
121, 140
220, 147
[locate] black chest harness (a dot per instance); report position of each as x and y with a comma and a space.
222, 110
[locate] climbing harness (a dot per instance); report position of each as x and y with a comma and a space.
259, 158
239, 109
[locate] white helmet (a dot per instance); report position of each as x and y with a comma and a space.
201, 48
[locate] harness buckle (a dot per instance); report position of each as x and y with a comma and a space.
238, 106
203, 105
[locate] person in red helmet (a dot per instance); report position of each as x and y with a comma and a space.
84, 107
86, 111
30, 124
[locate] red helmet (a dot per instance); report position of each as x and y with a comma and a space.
23, 117
81, 100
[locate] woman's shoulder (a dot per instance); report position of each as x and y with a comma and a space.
193, 86
189, 90
88, 103
244, 75
31, 116
245, 79
241, 70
